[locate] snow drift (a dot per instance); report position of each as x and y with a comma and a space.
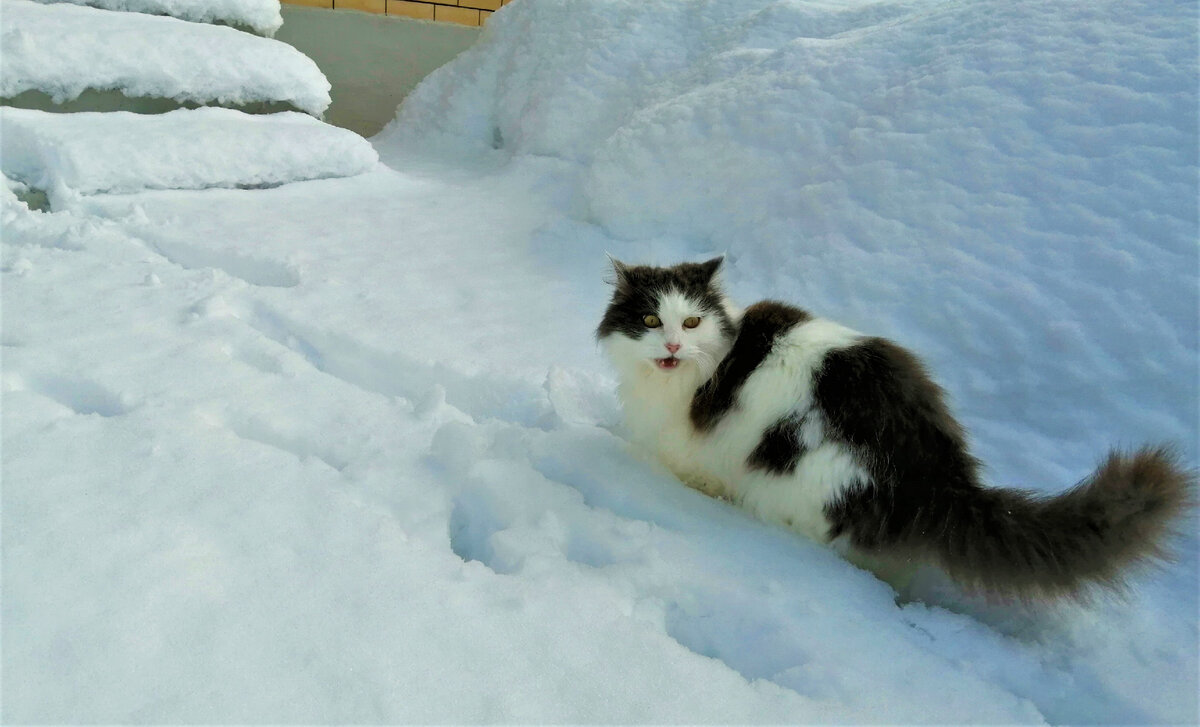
874, 162
343, 450
63, 50
261, 16
121, 152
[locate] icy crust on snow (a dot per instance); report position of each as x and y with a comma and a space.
63, 50
260, 15
873, 161
121, 151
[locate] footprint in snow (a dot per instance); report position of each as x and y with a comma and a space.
254, 270
81, 395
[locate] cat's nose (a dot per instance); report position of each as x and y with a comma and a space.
672, 347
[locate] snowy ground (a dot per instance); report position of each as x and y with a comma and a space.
344, 450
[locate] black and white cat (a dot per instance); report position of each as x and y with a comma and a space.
844, 438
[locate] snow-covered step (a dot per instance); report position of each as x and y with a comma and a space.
63, 50
89, 153
261, 16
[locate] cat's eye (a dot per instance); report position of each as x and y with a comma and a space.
691, 322
651, 321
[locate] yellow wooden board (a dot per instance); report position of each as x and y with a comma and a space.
311, 3
421, 11
463, 16
370, 6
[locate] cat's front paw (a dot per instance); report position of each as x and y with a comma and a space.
711, 487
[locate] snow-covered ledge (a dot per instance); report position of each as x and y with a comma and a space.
259, 16
148, 57
121, 152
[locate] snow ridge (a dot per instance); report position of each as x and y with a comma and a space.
260, 15
121, 152
63, 50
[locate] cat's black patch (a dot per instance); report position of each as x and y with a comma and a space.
761, 324
638, 289
780, 448
877, 398
924, 498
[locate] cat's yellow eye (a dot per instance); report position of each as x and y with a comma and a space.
691, 322
651, 321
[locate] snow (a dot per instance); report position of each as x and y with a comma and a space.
184, 149
63, 50
847, 162
260, 15
343, 450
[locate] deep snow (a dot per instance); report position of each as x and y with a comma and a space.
343, 450
122, 152
261, 15
63, 50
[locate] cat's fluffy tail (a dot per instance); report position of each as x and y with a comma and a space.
1009, 543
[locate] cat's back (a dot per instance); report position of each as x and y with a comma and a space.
762, 426
771, 367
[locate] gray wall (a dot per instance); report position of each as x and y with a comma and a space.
372, 61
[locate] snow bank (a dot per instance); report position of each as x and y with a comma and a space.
873, 161
183, 149
301, 519
63, 50
261, 15
343, 451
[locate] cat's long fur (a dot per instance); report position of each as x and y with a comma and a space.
845, 438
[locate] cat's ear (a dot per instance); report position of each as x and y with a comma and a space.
710, 268
620, 271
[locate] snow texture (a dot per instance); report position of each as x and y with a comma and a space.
343, 450
260, 15
850, 154
63, 50
183, 149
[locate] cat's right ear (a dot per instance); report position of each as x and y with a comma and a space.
620, 271
712, 267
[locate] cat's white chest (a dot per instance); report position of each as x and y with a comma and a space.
717, 461
657, 414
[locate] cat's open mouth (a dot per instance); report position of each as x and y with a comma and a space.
666, 363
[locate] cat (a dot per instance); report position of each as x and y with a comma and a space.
846, 439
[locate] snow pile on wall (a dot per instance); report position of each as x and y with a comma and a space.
260, 15
63, 50
849, 153
184, 149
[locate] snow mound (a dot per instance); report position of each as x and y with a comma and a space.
63, 50
873, 161
184, 149
344, 451
261, 15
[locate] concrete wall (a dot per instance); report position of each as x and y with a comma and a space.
466, 12
371, 60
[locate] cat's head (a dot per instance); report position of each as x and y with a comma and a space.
667, 319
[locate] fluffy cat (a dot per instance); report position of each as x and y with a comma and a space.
844, 438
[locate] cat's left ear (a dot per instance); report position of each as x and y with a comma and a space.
710, 267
